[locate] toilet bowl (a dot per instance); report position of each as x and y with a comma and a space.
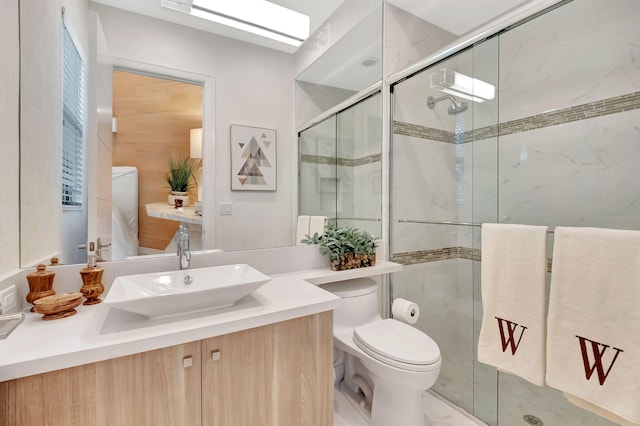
397, 361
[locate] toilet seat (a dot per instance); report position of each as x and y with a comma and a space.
397, 344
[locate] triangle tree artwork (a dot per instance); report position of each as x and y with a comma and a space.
251, 172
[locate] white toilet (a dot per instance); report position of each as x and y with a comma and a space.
386, 363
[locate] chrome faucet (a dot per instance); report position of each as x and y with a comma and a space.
184, 253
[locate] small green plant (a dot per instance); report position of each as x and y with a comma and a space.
180, 174
346, 247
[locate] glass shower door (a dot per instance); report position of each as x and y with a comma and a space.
434, 188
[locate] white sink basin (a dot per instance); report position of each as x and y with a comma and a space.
165, 293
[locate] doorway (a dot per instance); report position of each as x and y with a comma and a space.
154, 116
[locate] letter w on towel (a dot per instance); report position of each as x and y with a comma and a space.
509, 341
514, 270
598, 355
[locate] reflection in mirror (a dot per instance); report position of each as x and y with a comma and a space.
249, 86
342, 58
340, 167
46, 206
155, 117
339, 160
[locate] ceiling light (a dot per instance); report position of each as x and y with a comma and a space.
259, 17
457, 84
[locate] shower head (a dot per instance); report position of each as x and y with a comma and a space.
457, 107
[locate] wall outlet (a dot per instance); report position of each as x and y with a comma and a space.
8, 300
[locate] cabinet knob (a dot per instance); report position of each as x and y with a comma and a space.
187, 361
215, 355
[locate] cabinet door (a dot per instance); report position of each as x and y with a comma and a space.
152, 388
155, 388
63, 397
276, 375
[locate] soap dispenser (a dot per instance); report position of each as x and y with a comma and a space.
40, 284
92, 286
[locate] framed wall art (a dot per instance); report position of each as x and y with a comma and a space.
253, 159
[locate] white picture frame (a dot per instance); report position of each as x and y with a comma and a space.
253, 158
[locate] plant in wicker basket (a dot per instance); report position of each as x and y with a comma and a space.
347, 248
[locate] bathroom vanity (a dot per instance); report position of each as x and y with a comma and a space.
266, 360
277, 374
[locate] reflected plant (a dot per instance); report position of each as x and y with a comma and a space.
180, 174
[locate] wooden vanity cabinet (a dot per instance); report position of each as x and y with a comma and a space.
150, 388
280, 374
277, 375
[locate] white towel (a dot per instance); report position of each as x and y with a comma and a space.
595, 301
302, 229
513, 283
317, 224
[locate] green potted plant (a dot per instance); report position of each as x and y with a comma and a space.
180, 178
347, 248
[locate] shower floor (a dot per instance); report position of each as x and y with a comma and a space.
437, 411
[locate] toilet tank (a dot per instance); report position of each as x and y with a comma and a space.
359, 301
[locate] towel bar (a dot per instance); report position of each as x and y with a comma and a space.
428, 222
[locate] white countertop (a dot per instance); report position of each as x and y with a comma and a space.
97, 333
165, 211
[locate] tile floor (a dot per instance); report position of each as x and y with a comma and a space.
437, 412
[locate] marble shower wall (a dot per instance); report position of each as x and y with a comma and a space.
577, 173
558, 146
407, 39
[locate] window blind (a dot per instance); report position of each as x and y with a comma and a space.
72, 123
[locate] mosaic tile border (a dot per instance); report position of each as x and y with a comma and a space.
425, 256
317, 159
614, 105
445, 253
422, 132
347, 162
369, 159
435, 255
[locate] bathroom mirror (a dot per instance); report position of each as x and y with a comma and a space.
249, 225
340, 171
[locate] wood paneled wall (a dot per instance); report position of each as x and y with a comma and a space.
154, 119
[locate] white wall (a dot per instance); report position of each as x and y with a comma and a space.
9, 190
253, 86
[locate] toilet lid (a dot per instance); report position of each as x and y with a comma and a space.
396, 343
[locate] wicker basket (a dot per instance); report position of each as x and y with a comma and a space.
351, 261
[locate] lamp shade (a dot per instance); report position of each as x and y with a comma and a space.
195, 144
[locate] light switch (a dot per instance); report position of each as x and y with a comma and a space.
225, 208
215, 355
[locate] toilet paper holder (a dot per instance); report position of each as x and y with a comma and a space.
405, 310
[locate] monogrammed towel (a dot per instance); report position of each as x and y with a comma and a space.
513, 283
593, 326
